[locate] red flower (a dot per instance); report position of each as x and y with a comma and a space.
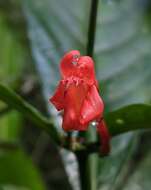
77, 93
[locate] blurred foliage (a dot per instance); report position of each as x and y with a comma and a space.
122, 55
11, 54
140, 178
20, 171
11, 65
16, 169
8, 132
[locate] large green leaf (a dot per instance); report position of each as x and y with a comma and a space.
122, 52
122, 55
17, 169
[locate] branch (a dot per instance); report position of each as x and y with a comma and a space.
15, 101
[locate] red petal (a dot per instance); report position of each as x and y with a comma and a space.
58, 98
68, 63
71, 121
105, 138
92, 107
97, 85
86, 69
73, 101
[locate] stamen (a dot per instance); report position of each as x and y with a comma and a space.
74, 63
75, 59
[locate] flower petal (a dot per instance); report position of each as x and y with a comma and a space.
68, 63
58, 98
86, 69
74, 98
71, 121
105, 138
92, 107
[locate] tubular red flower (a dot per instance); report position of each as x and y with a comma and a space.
77, 93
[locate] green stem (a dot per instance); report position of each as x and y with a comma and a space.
82, 159
15, 101
85, 165
92, 27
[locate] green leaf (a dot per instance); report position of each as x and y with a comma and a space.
18, 170
122, 49
132, 117
123, 59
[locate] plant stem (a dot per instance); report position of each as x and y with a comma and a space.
83, 157
15, 101
92, 27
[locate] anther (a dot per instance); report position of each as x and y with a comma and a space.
74, 63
